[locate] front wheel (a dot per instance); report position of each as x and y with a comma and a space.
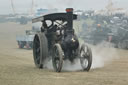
57, 58
85, 57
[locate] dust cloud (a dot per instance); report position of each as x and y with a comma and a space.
103, 54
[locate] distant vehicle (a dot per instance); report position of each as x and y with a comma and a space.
120, 38
96, 36
18, 18
112, 29
23, 20
26, 41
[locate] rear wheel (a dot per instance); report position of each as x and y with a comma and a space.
57, 58
85, 57
40, 49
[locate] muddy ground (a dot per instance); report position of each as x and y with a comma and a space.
17, 66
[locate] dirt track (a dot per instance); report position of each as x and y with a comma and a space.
17, 67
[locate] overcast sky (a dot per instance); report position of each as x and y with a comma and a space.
24, 6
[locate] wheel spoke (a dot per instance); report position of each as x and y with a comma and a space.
84, 62
56, 53
38, 50
38, 59
57, 63
37, 43
83, 54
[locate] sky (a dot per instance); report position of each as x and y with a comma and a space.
24, 6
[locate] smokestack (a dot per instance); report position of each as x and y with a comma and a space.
70, 18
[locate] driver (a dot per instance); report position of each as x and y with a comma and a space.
50, 32
51, 28
44, 26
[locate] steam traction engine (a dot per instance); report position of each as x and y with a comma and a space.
57, 41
